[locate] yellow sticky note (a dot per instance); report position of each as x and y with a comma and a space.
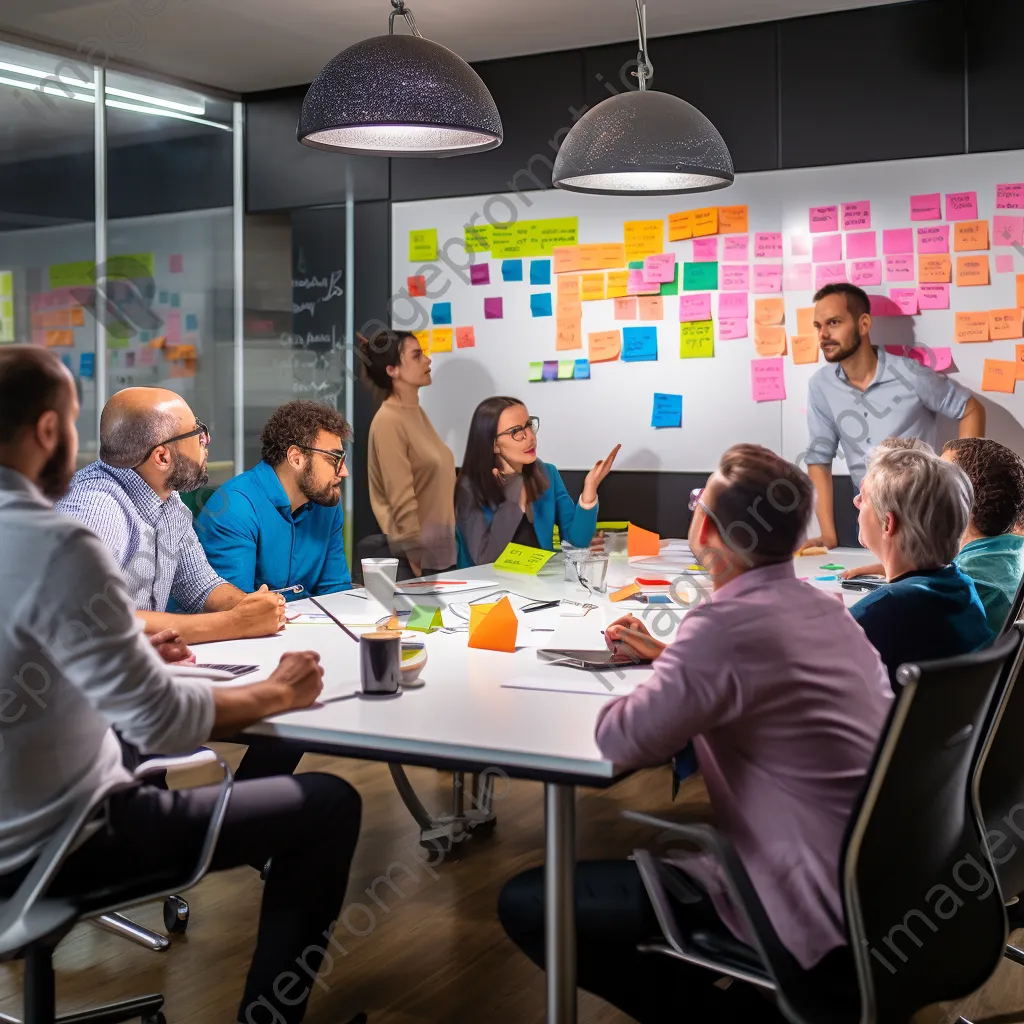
1005, 324
680, 226
769, 312
934, 269
604, 346
618, 281
697, 339
441, 339
705, 222
523, 559
805, 321
478, 237
641, 542
999, 375
970, 236
591, 287
644, 238
493, 627
6, 284
805, 348
971, 270
423, 245
971, 327
732, 220
423, 337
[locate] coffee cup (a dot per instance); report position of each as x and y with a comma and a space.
380, 662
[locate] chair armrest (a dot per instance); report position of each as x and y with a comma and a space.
201, 757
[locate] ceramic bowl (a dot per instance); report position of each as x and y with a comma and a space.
414, 657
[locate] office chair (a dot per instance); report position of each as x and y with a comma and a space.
32, 922
916, 821
1017, 607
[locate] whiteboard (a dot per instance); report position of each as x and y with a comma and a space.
581, 420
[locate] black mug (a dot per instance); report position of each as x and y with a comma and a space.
380, 663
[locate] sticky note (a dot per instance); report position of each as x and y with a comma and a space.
568, 286
1010, 196
639, 344
618, 284
906, 299
566, 368
641, 543
971, 327
826, 248
600, 255
540, 304
176, 263
175, 300
695, 307
805, 321
730, 304
650, 307
805, 348
540, 271
732, 220
828, 273
423, 337
643, 238
768, 245
1020, 290
769, 312
1005, 324
568, 335
865, 273
423, 245
87, 365
769, 341
823, 218
511, 270
799, 244
861, 244
465, 337
581, 369
736, 248
173, 325
625, 308
705, 250
767, 278
1007, 230
494, 308
191, 322
961, 206
669, 287
999, 375
697, 340
735, 278
971, 270
660, 268
480, 273
926, 207
441, 339
797, 277
705, 221
668, 410
932, 240
424, 619
970, 236
730, 329
591, 287
934, 269
417, 286
536, 372
767, 380
899, 268
146, 357
569, 308
624, 593
857, 215
699, 277
60, 339
680, 226
636, 285
477, 237
494, 627
1018, 361
565, 258
604, 346
933, 296
550, 371
441, 312
897, 241
1004, 264
937, 359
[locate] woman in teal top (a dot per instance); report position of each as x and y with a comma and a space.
505, 493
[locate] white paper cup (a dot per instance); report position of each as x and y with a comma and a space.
379, 576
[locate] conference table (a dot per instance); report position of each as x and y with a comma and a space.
488, 711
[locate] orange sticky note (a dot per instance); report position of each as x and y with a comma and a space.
680, 226
1020, 291
618, 284
613, 254
651, 308
769, 312
1005, 324
999, 375
934, 269
568, 286
705, 221
568, 334
971, 270
158, 342
805, 348
971, 327
805, 321
970, 236
625, 592
769, 341
495, 628
60, 339
465, 337
604, 346
565, 258
644, 238
591, 287
569, 309
640, 542
77, 317
589, 257
732, 220
1019, 362
625, 309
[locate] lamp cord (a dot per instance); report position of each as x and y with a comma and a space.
645, 69
400, 8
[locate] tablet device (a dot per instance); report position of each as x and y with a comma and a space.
577, 659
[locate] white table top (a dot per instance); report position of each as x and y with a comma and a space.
463, 716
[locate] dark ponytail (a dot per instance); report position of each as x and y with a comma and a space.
380, 350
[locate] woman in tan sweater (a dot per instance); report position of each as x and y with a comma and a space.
411, 470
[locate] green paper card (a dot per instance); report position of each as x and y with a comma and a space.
671, 287
523, 559
423, 245
700, 277
566, 368
425, 619
536, 371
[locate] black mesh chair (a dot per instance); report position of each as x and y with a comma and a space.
32, 922
916, 827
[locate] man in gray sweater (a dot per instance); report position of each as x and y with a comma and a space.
74, 665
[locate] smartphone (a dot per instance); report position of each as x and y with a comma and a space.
864, 583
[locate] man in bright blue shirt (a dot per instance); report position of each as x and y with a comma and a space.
281, 523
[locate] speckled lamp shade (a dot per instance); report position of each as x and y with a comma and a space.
399, 95
643, 143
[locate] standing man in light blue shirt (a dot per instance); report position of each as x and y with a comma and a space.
865, 395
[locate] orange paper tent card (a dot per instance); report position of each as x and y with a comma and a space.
623, 593
642, 542
493, 627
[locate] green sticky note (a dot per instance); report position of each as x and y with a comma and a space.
425, 619
700, 277
72, 275
423, 245
832, 568
478, 237
566, 368
636, 265
672, 287
536, 371
523, 559
697, 339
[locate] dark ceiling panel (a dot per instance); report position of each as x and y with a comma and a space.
995, 92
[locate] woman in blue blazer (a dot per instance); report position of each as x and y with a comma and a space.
505, 493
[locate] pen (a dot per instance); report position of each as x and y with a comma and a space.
297, 589
540, 606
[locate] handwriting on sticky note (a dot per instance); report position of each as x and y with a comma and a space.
423, 245
697, 340
705, 250
730, 329
972, 270
695, 307
906, 299
823, 218
926, 207
625, 308
961, 206
417, 286
861, 245
767, 278
618, 284
680, 226
970, 327
828, 273
643, 238
933, 240
970, 236
768, 245
934, 269
699, 277
641, 543
636, 285
1010, 196
826, 248
568, 335
899, 268
465, 337
1007, 230
604, 346
735, 278
660, 268
857, 216
477, 237
769, 312
769, 341
565, 259
805, 348
865, 273
650, 307
730, 304
999, 375
568, 286
1005, 324
441, 339
591, 287
732, 220
705, 221
767, 380
933, 296
667, 411
639, 344
736, 248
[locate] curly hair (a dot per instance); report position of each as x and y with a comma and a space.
299, 423
997, 474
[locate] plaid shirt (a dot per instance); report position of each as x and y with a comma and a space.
152, 540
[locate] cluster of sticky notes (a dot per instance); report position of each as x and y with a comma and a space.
989, 325
559, 369
667, 411
523, 559
706, 221
493, 627
641, 543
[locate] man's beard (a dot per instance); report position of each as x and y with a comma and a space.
327, 496
845, 353
55, 476
186, 474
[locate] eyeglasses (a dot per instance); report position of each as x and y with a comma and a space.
695, 496
337, 455
518, 433
201, 429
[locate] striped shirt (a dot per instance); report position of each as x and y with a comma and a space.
153, 541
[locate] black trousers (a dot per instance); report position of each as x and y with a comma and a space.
613, 915
307, 823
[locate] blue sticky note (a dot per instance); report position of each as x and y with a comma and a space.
540, 271
191, 321
66, 360
164, 298
639, 344
145, 337
175, 300
550, 369
540, 304
87, 365
441, 312
582, 371
511, 270
826, 579
668, 411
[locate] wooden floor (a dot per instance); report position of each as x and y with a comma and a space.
438, 954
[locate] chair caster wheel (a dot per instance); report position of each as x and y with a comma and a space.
154, 1018
175, 920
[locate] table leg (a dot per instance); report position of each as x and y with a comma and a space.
559, 902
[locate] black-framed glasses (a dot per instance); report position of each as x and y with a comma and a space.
201, 429
336, 455
695, 495
518, 433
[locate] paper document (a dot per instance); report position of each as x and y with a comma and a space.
599, 683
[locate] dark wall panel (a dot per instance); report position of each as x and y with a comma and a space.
743, 105
995, 29
881, 83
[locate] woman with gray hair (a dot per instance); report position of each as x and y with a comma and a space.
913, 509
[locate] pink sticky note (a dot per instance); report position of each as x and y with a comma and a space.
941, 358
797, 277
926, 207
800, 244
625, 308
146, 356
961, 206
767, 379
705, 250
768, 245
856, 215
465, 337
861, 245
733, 277
882, 305
733, 305
736, 249
177, 263
933, 240
480, 273
1004, 263
173, 327
660, 269
1010, 197
1007, 230
636, 285
767, 279
826, 248
899, 268
730, 330
823, 219
906, 299
828, 273
866, 272
494, 308
897, 241
937, 359
694, 307
933, 296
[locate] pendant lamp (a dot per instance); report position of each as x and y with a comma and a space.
399, 95
643, 143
